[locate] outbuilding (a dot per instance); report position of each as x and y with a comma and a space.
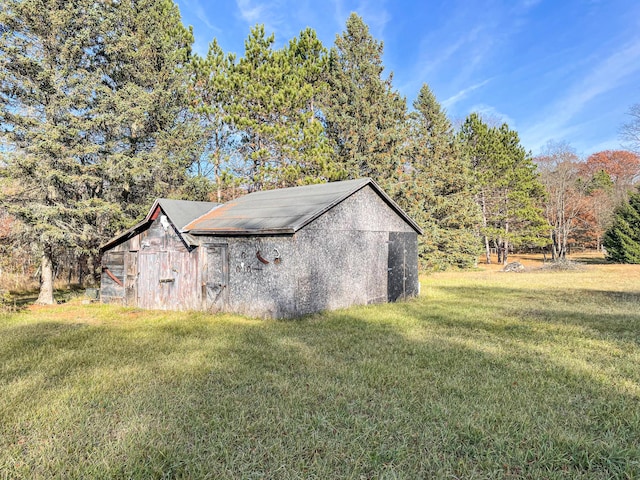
276, 253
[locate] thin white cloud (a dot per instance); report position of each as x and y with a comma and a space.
452, 100
275, 15
527, 4
374, 12
195, 7
251, 12
604, 77
339, 13
376, 16
493, 116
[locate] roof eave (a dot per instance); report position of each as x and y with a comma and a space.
243, 232
386, 198
126, 235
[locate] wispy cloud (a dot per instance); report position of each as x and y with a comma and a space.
452, 100
527, 4
198, 10
603, 77
375, 14
252, 12
283, 17
493, 116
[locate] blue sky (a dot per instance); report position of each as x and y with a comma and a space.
554, 70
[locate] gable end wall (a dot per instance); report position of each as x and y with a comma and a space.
344, 254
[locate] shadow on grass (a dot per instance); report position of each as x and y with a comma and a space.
578, 307
345, 394
591, 260
18, 301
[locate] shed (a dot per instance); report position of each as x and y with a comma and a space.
276, 253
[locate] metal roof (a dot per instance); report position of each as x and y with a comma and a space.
182, 212
284, 210
281, 211
179, 213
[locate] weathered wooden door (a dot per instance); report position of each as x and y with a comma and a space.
217, 278
131, 284
149, 279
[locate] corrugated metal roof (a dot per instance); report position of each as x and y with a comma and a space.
284, 210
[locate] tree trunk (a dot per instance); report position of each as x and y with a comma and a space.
216, 170
45, 297
505, 244
487, 249
484, 224
554, 250
505, 252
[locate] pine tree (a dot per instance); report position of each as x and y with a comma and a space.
435, 188
508, 190
364, 116
622, 239
147, 136
91, 96
282, 138
212, 86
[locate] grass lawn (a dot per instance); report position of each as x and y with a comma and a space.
486, 375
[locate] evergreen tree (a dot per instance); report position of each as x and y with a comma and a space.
435, 188
508, 190
212, 84
622, 239
91, 101
147, 135
364, 116
282, 138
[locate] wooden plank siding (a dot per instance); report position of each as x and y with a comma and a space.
113, 277
156, 269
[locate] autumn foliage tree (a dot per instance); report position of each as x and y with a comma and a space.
566, 202
622, 167
582, 194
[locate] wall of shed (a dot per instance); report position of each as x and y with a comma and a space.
347, 254
157, 271
258, 288
336, 261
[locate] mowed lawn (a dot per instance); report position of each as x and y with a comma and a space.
486, 375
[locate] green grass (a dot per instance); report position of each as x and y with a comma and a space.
486, 375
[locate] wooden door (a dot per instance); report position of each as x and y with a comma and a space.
149, 279
131, 284
217, 278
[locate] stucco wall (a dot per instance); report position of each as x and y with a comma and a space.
336, 261
261, 289
347, 252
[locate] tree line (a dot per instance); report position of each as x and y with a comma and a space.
104, 107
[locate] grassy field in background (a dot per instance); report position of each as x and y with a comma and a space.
485, 375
